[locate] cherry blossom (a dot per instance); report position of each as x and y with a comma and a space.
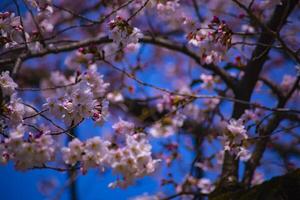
7, 84
133, 161
115, 97
248, 28
205, 185
73, 153
123, 127
29, 154
80, 101
159, 130
10, 29
122, 33
235, 139
15, 110
237, 130
91, 153
95, 153
208, 81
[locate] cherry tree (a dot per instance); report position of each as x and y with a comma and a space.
161, 79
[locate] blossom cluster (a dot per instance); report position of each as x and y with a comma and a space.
123, 127
208, 81
91, 153
83, 98
73, 99
213, 40
122, 33
13, 33
170, 12
8, 86
30, 152
12, 107
134, 160
25, 148
45, 11
131, 160
11, 30
235, 139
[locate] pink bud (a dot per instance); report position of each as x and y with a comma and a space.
215, 20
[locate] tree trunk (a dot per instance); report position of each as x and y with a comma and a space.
286, 187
